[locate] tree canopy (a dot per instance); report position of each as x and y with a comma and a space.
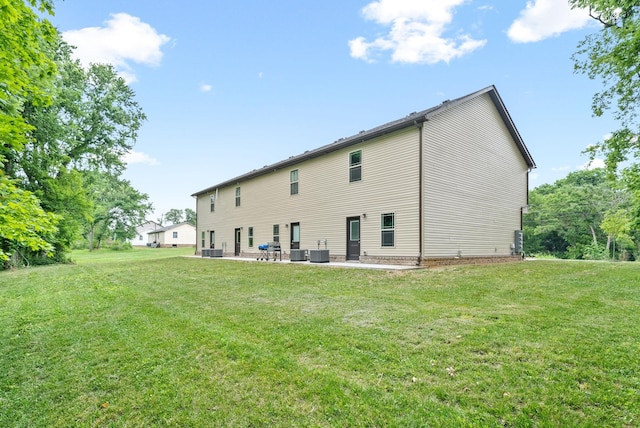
26, 72
174, 215
64, 131
611, 55
578, 216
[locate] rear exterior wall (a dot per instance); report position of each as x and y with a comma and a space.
325, 199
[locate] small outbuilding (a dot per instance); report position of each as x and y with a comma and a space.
141, 239
176, 235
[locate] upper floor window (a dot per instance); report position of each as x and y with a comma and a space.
293, 182
355, 166
388, 226
237, 196
213, 202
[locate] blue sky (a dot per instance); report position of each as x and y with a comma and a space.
230, 86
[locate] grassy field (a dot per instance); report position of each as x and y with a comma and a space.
145, 338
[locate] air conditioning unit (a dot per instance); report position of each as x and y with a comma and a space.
298, 255
319, 256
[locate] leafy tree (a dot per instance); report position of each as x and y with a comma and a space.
617, 225
25, 72
190, 216
91, 122
116, 209
25, 69
24, 225
174, 215
63, 133
565, 217
611, 54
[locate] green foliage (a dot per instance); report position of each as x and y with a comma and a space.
26, 72
593, 252
23, 223
611, 55
117, 208
565, 217
617, 224
74, 151
120, 246
174, 215
190, 216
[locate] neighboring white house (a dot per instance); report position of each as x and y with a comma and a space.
437, 186
141, 237
176, 235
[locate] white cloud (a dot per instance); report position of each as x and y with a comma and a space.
416, 33
134, 157
124, 39
205, 87
561, 168
594, 164
542, 19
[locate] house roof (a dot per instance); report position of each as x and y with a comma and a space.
170, 227
405, 122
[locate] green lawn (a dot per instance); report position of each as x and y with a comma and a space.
141, 338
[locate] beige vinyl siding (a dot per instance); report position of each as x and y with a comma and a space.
475, 182
325, 199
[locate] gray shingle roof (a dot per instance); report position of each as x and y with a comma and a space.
396, 125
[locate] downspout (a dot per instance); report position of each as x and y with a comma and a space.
523, 211
420, 193
196, 251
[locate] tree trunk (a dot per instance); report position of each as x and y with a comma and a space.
593, 234
91, 238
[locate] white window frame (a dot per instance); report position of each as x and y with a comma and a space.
387, 230
355, 166
294, 176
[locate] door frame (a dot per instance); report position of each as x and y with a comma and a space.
353, 250
294, 245
237, 240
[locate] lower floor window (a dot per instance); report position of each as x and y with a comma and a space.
387, 223
250, 237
